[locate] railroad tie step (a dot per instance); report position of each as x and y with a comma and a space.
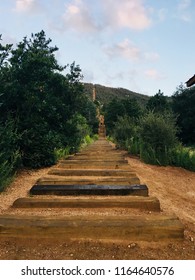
102, 190
84, 165
154, 227
93, 161
137, 202
95, 172
101, 153
83, 180
97, 157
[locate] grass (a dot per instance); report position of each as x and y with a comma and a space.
62, 153
184, 157
179, 156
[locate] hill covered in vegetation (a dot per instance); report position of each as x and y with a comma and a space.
105, 94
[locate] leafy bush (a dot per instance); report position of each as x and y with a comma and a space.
133, 145
183, 157
124, 129
76, 129
61, 153
157, 138
38, 147
9, 155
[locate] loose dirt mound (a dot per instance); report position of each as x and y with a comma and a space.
174, 187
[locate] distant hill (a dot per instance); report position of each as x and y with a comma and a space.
106, 94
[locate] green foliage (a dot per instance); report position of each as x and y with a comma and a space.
95, 137
113, 110
87, 140
88, 110
183, 157
110, 138
51, 109
158, 103
184, 107
157, 138
61, 153
133, 145
38, 144
9, 153
124, 130
120, 108
77, 129
154, 139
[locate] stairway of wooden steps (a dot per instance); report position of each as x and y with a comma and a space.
94, 194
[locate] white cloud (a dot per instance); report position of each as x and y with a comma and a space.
130, 51
183, 10
154, 74
184, 4
186, 17
126, 14
152, 56
125, 49
27, 6
162, 14
78, 17
85, 17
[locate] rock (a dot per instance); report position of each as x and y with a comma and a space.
132, 245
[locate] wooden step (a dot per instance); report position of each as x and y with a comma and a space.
99, 148
143, 203
92, 161
95, 166
138, 190
55, 180
154, 227
97, 157
93, 172
101, 153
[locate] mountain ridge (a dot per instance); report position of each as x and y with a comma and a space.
105, 94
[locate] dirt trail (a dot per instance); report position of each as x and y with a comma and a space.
174, 187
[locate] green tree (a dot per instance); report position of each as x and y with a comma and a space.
184, 107
113, 110
44, 102
132, 108
119, 108
88, 109
158, 103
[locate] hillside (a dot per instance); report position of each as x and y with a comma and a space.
105, 94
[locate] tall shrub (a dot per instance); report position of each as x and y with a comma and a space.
124, 131
9, 152
157, 138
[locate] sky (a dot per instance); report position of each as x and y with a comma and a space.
140, 45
